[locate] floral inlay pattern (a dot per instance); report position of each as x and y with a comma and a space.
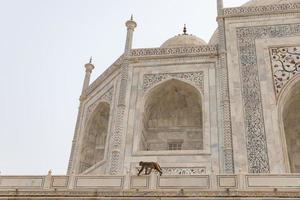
194, 77
285, 65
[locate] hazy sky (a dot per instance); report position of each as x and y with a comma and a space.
43, 47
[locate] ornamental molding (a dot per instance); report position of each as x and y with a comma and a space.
195, 50
183, 170
196, 78
285, 62
262, 10
80, 194
256, 143
180, 171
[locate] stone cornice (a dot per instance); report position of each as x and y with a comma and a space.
179, 51
111, 69
144, 194
261, 10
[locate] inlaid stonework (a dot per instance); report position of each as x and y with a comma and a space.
195, 78
285, 63
119, 122
175, 171
259, 10
253, 114
190, 51
183, 170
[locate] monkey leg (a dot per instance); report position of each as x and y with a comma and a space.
141, 170
150, 171
158, 170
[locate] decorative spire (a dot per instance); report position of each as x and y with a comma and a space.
88, 70
130, 24
184, 30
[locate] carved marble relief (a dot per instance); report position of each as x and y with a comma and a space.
119, 123
253, 114
196, 50
258, 10
183, 171
285, 62
173, 171
194, 77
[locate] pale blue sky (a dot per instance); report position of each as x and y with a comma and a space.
43, 47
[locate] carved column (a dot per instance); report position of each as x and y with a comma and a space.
119, 129
222, 73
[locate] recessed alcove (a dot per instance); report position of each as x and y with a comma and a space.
172, 118
94, 140
291, 121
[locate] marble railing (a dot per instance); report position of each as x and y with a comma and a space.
152, 182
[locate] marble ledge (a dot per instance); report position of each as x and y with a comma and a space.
208, 182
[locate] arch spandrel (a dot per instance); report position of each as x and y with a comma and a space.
285, 63
195, 79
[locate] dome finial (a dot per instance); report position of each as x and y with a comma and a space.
184, 30
131, 17
91, 58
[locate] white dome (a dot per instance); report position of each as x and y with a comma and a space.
183, 40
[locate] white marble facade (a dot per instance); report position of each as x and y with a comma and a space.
217, 116
220, 107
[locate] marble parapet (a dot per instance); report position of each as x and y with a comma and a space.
203, 50
151, 186
261, 10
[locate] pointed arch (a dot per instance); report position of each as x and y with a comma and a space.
172, 118
289, 120
94, 140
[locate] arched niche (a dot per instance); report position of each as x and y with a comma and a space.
172, 118
291, 124
94, 140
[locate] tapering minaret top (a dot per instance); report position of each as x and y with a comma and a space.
184, 30
88, 70
89, 66
130, 24
220, 5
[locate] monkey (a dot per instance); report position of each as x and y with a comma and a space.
150, 165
